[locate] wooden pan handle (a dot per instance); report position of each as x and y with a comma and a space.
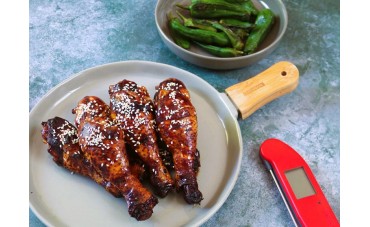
276, 81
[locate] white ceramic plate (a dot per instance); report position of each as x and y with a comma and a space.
59, 198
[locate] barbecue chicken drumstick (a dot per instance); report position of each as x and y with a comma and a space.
61, 137
103, 144
132, 107
177, 126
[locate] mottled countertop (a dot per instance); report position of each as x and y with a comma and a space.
67, 36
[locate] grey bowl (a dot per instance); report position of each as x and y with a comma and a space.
201, 58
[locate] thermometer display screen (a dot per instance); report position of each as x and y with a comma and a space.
299, 182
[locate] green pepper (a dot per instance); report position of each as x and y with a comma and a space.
233, 5
211, 9
221, 4
236, 1
220, 51
196, 23
236, 23
265, 20
242, 33
179, 40
204, 36
236, 42
250, 7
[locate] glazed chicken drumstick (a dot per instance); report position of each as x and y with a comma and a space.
61, 137
132, 107
103, 144
177, 126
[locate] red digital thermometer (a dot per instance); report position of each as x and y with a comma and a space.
297, 185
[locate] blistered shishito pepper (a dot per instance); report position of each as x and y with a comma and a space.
197, 23
236, 23
236, 1
264, 22
235, 40
249, 6
246, 4
204, 36
242, 33
178, 39
221, 51
210, 9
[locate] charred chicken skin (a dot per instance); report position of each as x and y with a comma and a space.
132, 108
177, 126
61, 137
102, 142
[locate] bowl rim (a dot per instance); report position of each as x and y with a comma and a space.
196, 55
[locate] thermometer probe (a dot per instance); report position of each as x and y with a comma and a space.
298, 187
